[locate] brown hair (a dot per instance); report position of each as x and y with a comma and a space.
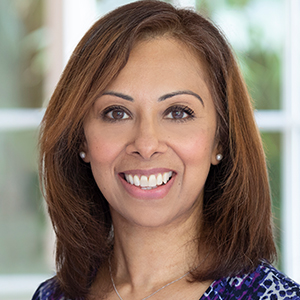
236, 221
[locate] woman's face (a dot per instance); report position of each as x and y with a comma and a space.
150, 137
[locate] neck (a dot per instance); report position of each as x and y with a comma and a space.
150, 257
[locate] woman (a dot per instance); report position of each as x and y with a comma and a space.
153, 168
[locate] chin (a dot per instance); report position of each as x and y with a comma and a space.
154, 219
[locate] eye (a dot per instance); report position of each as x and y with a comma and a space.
115, 113
179, 113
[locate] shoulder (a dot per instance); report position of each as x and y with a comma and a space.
265, 282
47, 291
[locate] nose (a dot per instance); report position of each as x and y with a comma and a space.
147, 140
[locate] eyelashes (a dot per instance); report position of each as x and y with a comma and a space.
115, 113
177, 113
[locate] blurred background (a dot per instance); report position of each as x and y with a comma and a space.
36, 40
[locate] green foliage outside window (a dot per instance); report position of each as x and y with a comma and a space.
22, 55
260, 60
22, 60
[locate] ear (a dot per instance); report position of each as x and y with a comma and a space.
216, 155
84, 153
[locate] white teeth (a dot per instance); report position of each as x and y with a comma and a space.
159, 179
151, 182
144, 181
130, 179
136, 180
165, 177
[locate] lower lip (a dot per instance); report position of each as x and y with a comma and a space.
156, 193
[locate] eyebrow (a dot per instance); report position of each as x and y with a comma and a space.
120, 95
162, 98
186, 92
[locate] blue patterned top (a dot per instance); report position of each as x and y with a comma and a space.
264, 283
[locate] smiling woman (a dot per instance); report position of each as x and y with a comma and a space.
153, 167
153, 132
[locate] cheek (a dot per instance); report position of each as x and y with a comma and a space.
102, 153
103, 149
196, 146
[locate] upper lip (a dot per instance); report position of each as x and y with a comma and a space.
147, 172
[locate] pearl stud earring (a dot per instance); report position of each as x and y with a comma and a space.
82, 154
219, 157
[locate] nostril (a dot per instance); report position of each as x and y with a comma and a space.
146, 146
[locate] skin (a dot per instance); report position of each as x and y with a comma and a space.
156, 116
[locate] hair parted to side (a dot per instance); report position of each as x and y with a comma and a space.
236, 222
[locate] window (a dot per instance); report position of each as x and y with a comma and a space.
265, 35
22, 221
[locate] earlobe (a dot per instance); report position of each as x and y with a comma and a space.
84, 153
216, 158
216, 155
219, 157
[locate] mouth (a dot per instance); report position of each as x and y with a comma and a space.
150, 182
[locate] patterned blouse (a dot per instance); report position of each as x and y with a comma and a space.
264, 283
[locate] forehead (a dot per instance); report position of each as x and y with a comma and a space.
167, 46
161, 60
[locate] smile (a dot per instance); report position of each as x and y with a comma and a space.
148, 182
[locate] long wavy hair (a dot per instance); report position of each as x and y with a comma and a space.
236, 218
